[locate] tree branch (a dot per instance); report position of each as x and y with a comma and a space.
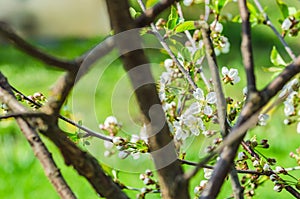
213, 67
169, 51
38, 147
88, 131
246, 47
85, 164
150, 14
248, 115
161, 145
7, 32
270, 24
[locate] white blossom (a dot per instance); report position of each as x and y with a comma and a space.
241, 155
211, 98
107, 153
278, 187
108, 145
288, 88
288, 108
168, 63
217, 26
110, 120
286, 24
165, 78
256, 163
135, 156
180, 134
207, 173
198, 94
298, 127
266, 167
194, 124
203, 183
134, 138
207, 110
194, 108
117, 140
232, 74
123, 154
262, 119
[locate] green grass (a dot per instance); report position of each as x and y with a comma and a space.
103, 92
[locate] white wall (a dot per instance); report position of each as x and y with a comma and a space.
57, 17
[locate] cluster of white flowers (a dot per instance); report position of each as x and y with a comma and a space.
221, 43
290, 91
190, 120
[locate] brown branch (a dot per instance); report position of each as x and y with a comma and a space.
38, 147
21, 115
161, 145
213, 67
7, 32
221, 101
88, 131
246, 46
85, 164
60, 92
249, 112
150, 14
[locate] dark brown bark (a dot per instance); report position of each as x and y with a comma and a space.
160, 141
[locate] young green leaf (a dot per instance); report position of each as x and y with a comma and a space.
172, 19
187, 25
151, 3
276, 58
283, 8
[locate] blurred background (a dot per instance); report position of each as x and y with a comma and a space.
69, 28
56, 18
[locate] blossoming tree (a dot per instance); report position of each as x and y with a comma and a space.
187, 102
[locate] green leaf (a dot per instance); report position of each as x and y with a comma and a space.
283, 8
276, 58
151, 3
221, 4
186, 54
187, 25
134, 13
197, 55
252, 9
172, 19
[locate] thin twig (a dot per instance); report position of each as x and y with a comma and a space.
270, 24
221, 102
21, 114
7, 32
213, 66
207, 10
81, 127
40, 150
193, 43
150, 14
169, 51
246, 47
267, 173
